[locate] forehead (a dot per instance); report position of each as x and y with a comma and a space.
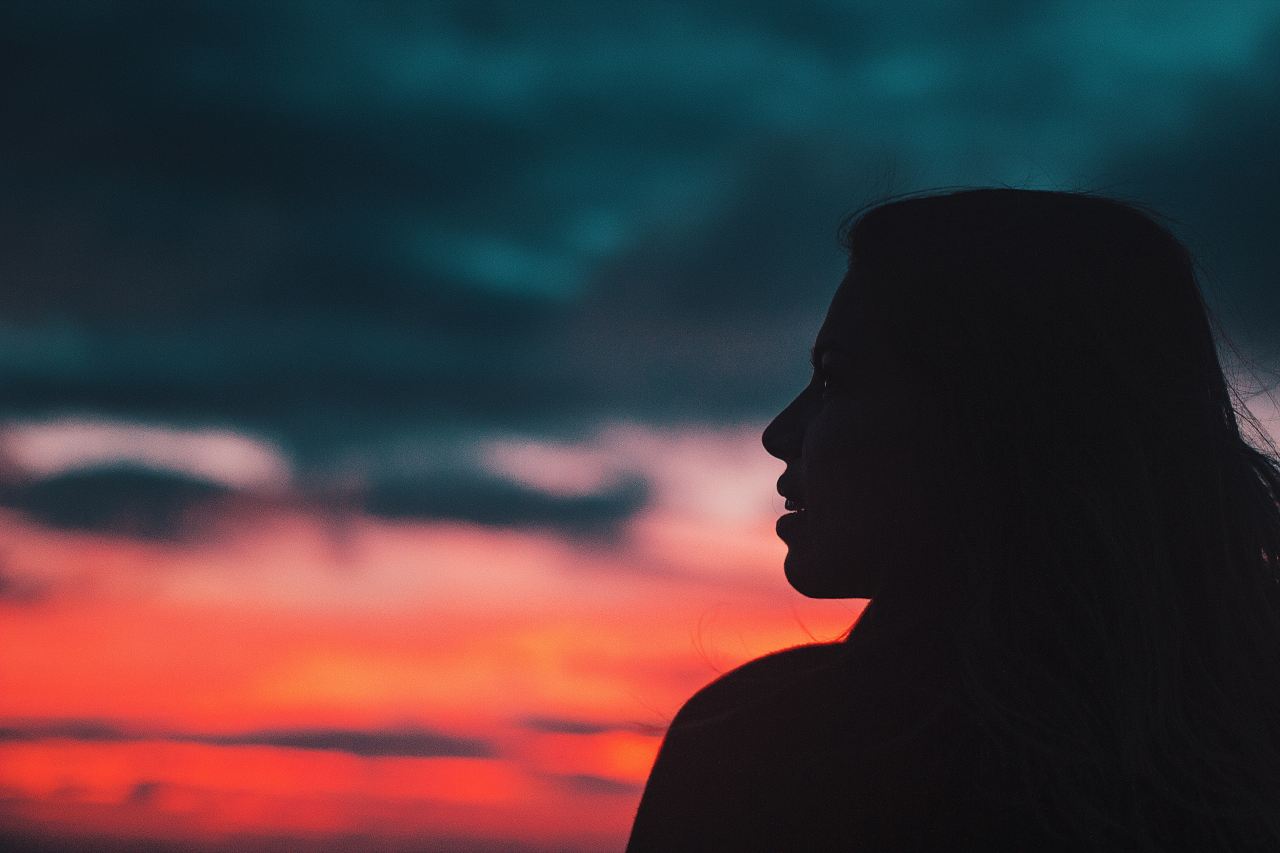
854, 328
846, 325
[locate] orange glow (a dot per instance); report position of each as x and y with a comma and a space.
542, 670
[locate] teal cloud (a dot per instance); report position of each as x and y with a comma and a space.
338, 223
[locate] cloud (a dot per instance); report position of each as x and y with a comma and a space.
402, 742
41, 449
1218, 180
144, 793
42, 841
586, 783
501, 503
559, 726
333, 225
564, 726
22, 591
98, 731
120, 499
208, 479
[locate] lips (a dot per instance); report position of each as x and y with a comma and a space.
790, 527
794, 500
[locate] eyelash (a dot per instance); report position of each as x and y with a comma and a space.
826, 384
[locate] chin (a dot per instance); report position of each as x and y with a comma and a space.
812, 579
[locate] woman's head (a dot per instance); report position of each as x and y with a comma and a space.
849, 440
990, 355
1018, 414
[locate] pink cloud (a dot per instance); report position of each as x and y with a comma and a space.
45, 448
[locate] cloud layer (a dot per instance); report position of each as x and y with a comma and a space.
462, 217
372, 743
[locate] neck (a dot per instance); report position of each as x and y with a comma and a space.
907, 635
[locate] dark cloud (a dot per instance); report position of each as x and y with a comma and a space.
126, 500
97, 731
1219, 181
336, 223
144, 793
500, 503
15, 589
717, 320
166, 506
565, 726
585, 783
557, 726
42, 841
404, 742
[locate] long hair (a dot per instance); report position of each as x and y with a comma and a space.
1116, 533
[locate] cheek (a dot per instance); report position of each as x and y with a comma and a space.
839, 451
859, 475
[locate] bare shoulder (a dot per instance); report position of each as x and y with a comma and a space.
714, 785
762, 680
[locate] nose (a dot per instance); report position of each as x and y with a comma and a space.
784, 435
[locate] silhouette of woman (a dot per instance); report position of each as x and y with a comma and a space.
1019, 444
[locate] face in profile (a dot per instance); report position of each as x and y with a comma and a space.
850, 440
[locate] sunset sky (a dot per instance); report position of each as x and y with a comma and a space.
383, 382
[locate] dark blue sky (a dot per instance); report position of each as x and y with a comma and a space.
378, 232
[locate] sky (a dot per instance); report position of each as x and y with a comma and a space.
382, 382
